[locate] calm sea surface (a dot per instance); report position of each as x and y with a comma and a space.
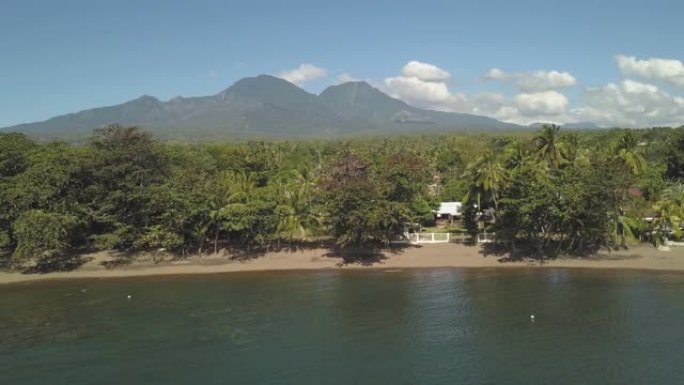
371, 327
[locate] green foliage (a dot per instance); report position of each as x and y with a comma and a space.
14, 151
159, 237
567, 207
5, 240
551, 146
553, 193
41, 233
127, 165
675, 156
366, 204
670, 208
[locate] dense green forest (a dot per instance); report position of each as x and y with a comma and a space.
550, 192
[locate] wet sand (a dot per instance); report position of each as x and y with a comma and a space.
424, 256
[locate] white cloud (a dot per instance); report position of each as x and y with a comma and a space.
634, 87
533, 81
422, 89
666, 70
628, 103
302, 74
495, 74
631, 104
509, 114
425, 71
345, 77
545, 103
413, 89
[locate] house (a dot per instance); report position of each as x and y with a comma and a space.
448, 211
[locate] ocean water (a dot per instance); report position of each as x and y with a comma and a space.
443, 326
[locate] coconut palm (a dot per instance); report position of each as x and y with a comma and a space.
296, 216
516, 154
241, 186
624, 226
551, 145
518, 158
487, 177
627, 150
576, 154
670, 208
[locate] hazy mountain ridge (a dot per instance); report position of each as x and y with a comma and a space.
265, 106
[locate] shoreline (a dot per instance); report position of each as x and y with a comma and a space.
425, 256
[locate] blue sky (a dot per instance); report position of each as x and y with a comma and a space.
612, 62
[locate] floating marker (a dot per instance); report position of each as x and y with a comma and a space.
532, 317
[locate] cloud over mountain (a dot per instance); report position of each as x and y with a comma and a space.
413, 89
425, 72
302, 74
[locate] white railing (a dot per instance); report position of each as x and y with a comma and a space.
418, 238
485, 237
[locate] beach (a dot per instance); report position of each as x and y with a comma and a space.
424, 256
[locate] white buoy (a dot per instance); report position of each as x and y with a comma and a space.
129, 297
532, 317
83, 290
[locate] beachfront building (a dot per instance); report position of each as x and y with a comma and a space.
448, 211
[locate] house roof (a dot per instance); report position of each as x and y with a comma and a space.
451, 208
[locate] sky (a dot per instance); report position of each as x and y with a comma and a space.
614, 63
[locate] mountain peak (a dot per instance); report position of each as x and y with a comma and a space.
357, 86
264, 105
354, 83
360, 99
261, 86
146, 99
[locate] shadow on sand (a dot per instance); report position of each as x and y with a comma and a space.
365, 256
57, 262
527, 253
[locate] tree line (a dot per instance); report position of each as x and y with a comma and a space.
551, 192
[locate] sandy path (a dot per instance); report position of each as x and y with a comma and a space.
426, 256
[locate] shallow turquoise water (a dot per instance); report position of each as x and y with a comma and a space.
414, 327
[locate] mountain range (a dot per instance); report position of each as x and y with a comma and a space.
265, 106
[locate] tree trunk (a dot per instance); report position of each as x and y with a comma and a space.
216, 241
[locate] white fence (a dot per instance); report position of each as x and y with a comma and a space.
421, 238
486, 237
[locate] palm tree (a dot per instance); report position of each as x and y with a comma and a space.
487, 177
576, 154
295, 192
670, 209
226, 189
627, 150
241, 186
551, 145
624, 227
515, 155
